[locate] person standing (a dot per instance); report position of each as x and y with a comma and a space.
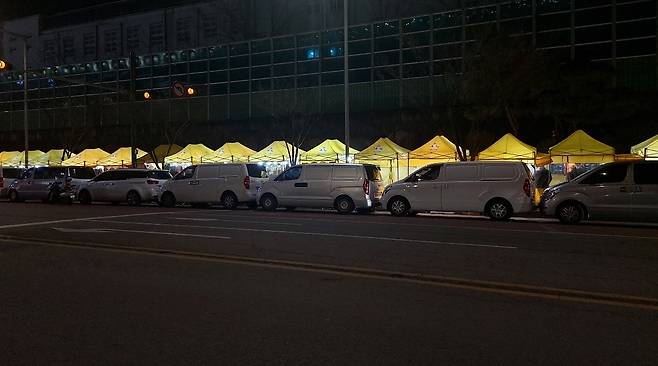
543, 178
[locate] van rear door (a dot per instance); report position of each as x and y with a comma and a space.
645, 191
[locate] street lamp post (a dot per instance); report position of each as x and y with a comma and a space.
346, 78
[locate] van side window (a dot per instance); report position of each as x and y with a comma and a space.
208, 172
317, 173
425, 174
461, 173
499, 172
615, 173
645, 173
290, 174
345, 172
187, 173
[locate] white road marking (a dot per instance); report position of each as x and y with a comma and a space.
52, 222
239, 221
383, 238
84, 231
108, 230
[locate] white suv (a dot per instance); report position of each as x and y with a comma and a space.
618, 191
498, 189
133, 186
227, 184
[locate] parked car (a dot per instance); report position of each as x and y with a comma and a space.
618, 191
345, 187
497, 189
34, 183
133, 186
228, 184
7, 177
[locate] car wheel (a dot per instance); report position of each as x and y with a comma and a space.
133, 198
344, 205
229, 201
13, 196
84, 197
399, 206
570, 213
499, 210
168, 200
269, 202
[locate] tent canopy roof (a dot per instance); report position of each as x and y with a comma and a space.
32, 155
160, 152
51, 158
230, 152
121, 157
329, 150
439, 147
88, 157
580, 147
647, 148
383, 149
6, 156
277, 151
190, 154
509, 147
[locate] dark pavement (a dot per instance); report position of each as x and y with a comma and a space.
121, 285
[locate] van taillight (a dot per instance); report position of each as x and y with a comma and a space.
366, 186
152, 181
246, 182
526, 187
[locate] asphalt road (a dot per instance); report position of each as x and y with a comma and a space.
120, 286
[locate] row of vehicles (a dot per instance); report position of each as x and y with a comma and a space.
627, 191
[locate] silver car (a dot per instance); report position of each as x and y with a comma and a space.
618, 191
345, 187
34, 183
132, 186
7, 177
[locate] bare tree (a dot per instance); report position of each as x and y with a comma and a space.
167, 133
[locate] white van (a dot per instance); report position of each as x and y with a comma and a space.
497, 189
345, 187
227, 184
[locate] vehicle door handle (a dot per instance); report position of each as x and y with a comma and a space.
194, 183
622, 189
301, 185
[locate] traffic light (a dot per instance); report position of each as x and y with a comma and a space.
147, 95
191, 91
4, 65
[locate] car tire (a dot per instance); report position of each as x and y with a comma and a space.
399, 206
14, 197
84, 197
168, 200
499, 210
344, 205
230, 201
133, 198
268, 202
570, 213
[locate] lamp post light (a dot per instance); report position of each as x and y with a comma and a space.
26, 141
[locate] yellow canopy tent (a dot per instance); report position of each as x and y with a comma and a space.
437, 150
329, 151
190, 154
160, 152
19, 159
6, 156
230, 152
122, 157
51, 158
388, 156
509, 147
88, 157
581, 148
647, 149
276, 152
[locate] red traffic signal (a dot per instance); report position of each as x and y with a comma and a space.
4, 65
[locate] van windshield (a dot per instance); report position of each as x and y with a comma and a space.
257, 171
159, 174
11, 173
373, 172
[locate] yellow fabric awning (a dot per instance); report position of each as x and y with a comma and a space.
581, 148
437, 150
230, 152
51, 158
390, 157
33, 157
329, 151
122, 157
160, 152
6, 156
508, 148
88, 157
277, 151
190, 154
647, 149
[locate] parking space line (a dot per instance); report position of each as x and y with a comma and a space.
237, 221
347, 236
169, 234
63, 221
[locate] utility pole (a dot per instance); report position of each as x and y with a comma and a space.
347, 78
132, 99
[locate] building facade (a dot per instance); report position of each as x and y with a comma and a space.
254, 60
